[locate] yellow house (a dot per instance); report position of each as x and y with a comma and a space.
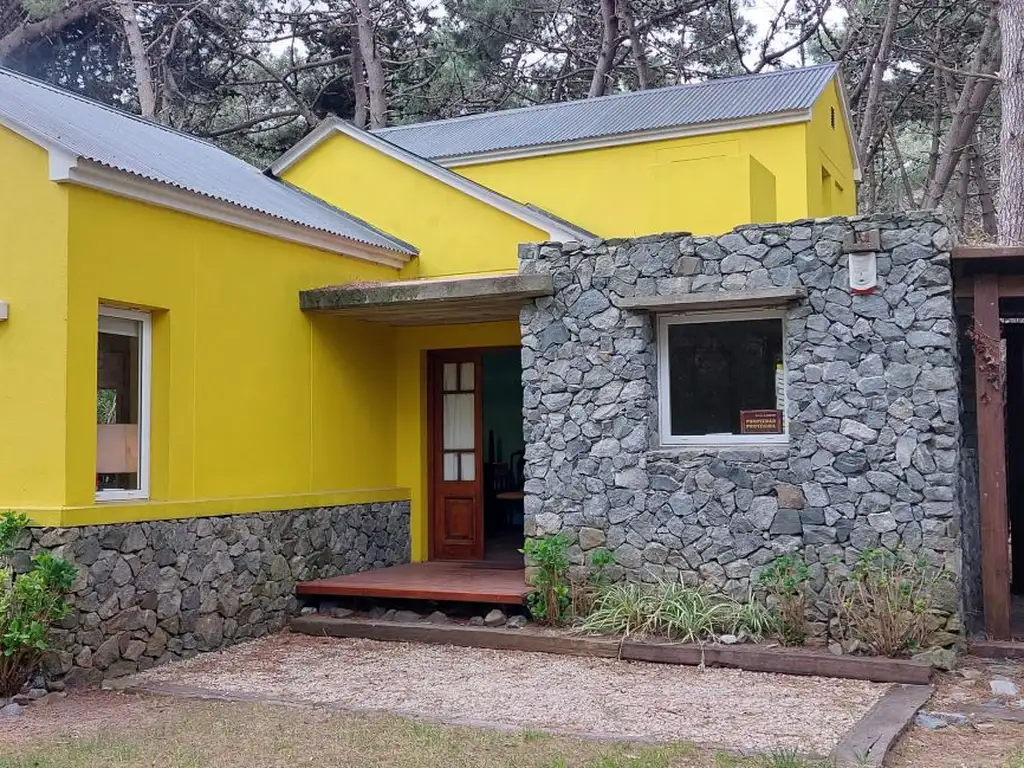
185, 337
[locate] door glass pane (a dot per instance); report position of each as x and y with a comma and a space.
451, 466
467, 377
459, 427
468, 466
451, 374
118, 404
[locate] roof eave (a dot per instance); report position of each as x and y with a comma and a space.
66, 169
636, 137
553, 228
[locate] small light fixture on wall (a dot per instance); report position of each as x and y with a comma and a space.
861, 248
4, 310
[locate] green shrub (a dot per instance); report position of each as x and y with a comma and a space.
550, 601
887, 601
786, 580
29, 604
687, 614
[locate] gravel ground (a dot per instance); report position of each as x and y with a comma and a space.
731, 709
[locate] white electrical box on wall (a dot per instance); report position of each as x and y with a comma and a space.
863, 272
3, 310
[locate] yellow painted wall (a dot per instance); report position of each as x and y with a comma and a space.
828, 150
411, 346
255, 405
689, 184
33, 232
455, 233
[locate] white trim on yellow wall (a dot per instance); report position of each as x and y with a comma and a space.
66, 168
621, 139
554, 228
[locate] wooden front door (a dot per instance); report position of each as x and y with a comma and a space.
456, 456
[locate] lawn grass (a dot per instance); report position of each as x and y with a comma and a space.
230, 735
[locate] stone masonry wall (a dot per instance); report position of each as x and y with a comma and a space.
148, 593
872, 402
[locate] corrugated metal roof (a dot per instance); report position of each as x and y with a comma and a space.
733, 98
116, 139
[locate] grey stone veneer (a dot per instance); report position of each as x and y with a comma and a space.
872, 400
148, 593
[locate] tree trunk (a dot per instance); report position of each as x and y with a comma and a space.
638, 49
989, 221
1011, 135
140, 60
971, 102
609, 43
374, 68
874, 86
360, 113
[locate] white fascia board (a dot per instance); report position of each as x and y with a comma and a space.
639, 137
112, 181
553, 229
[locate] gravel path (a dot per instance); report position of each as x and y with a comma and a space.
731, 709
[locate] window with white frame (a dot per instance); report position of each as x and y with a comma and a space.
122, 405
722, 378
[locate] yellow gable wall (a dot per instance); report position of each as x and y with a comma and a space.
455, 233
33, 230
255, 405
828, 150
688, 184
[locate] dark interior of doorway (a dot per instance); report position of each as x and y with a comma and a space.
503, 456
1013, 333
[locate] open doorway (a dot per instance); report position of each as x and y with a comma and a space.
1013, 335
475, 452
503, 455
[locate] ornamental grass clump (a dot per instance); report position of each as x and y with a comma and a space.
887, 603
29, 605
676, 611
786, 580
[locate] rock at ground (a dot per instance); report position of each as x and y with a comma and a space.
495, 618
930, 722
307, 610
728, 639
940, 658
971, 674
438, 617
12, 710
516, 622
377, 612
341, 613
1019, 704
835, 649
1004, 689
36, 693
476, 621
406, 616
851, 645
389, 615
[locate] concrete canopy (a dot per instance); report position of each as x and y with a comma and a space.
434, 301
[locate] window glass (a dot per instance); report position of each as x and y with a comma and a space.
119, 404
725, 378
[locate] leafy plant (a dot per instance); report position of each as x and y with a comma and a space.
688, 614
786, 580
887, 602
584, 589
549, 602
29, 604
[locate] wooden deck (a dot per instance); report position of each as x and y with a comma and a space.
442, 581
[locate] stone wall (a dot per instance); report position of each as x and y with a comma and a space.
872, 402
148, 593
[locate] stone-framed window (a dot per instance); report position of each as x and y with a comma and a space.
722, 378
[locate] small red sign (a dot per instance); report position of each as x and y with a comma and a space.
761, 422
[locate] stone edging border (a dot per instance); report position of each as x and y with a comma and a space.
750, 658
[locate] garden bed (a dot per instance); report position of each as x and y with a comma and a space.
750, 657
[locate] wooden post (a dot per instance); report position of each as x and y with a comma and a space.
989, 386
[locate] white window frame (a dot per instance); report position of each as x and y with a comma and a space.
666, 438
145, 379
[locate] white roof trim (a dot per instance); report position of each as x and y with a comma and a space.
553, 228
620, 139
65, 167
